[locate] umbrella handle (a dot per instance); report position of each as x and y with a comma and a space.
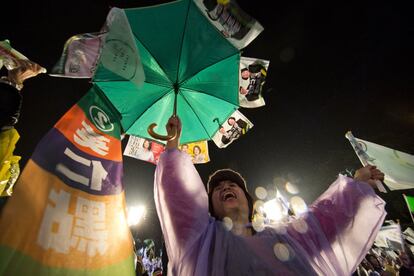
158, 136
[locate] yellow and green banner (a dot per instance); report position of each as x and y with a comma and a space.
67, 212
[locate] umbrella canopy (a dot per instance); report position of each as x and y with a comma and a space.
187, 63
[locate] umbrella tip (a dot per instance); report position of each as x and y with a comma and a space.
176, 87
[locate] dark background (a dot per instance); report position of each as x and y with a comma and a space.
334, 67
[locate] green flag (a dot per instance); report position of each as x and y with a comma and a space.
410, 204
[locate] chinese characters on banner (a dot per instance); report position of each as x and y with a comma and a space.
68, 209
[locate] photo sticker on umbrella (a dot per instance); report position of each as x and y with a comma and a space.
236, 25
143, 149
235, 126
252, 79
108, 55
198, 151
80, 56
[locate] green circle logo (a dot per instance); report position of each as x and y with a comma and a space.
100, 119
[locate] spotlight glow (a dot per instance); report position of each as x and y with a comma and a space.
273, 209
135, 214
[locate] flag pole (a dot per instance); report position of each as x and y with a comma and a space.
362, 156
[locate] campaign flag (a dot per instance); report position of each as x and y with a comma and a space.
67, 212
198, 151
9, 57
397, 166
410, 204
108, 55
252, 79
80, 56
9, 163
143, 149
236, 25
232, 129
390, 236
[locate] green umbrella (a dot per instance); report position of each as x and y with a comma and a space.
191, 70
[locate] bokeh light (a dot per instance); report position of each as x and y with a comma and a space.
298, 205
271, 193
258, 206
300, 225
258, 224
228, 223
291, 188
135, 214
261, 192
281, 252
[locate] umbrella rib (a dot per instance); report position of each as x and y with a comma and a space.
206, 67
157, 100
202, 92
182, 41
205, 130
236, 51
146, 48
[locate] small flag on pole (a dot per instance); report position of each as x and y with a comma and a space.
397, 166
390, 236
410, 204
363, 157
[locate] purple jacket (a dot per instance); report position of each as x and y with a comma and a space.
330, 239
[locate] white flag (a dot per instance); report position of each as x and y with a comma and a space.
390, 237
397, 166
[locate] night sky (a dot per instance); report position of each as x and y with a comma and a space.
334, 67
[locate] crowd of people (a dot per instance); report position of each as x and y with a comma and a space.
390, 259
147, 262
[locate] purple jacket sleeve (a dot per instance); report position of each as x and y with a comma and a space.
181, 201
344, 222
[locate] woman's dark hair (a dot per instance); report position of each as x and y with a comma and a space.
149, 144
199, 149
230, 119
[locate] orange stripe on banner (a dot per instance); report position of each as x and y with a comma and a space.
71, 122
63, 227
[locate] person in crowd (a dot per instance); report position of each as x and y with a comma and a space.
407, 263
213, 232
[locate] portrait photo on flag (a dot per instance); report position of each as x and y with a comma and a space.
232, 129
143, 149
198, 151
252, 78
